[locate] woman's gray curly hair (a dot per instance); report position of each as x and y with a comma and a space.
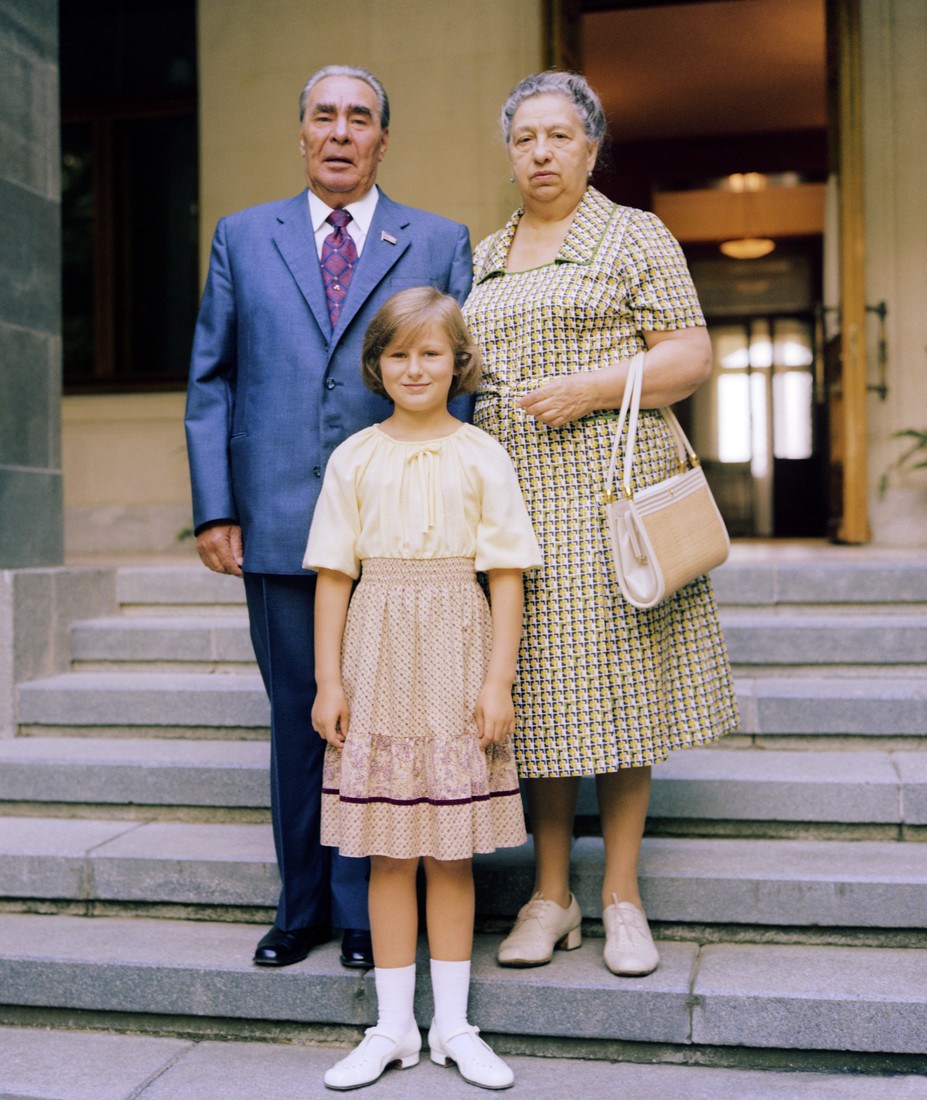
576, 88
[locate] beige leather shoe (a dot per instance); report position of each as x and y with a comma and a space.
629, 946
540, 928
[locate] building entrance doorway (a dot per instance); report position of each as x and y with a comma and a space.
703, 95
758, 429
758, 423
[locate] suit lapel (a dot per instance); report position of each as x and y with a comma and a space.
296, 244
387, 239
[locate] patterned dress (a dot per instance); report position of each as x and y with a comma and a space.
602, 685
416, 520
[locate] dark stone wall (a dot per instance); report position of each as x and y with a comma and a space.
31, 515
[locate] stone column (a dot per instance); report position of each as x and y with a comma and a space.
31, 519
894, 87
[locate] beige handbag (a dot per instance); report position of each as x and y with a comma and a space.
668, 534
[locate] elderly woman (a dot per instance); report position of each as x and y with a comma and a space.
564, 295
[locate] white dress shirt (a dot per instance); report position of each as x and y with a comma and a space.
361, 213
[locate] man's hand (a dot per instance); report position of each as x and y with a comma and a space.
220, 548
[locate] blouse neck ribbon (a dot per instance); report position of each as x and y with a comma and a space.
423, 458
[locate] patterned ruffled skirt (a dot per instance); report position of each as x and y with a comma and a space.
411, 779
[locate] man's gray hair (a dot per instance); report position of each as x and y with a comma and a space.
585, 102
358, 74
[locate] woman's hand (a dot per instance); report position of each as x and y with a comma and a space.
331, 714
559, 401
678, 362
495, 713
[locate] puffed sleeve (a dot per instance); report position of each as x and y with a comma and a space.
335, 525
661, 294
505, 538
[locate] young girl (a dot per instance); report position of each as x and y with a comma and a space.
414, 677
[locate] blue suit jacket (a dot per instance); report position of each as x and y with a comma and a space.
273, 390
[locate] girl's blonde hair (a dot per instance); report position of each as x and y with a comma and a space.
404, 317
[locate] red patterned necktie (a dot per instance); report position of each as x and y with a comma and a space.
339, 256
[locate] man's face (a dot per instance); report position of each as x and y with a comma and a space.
341, 140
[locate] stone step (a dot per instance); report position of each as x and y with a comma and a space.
140, 772
754, 575
790, 637
792, 786
126, 700
768, 884
792, 883
848, 706
820, 574
862, 706
178, 586
182, 641
731, 995
85, 1066
886, 789
753, 637
731, 785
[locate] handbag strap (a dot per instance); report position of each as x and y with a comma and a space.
630, 411
630, 407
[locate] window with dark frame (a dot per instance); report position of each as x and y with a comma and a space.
129, 192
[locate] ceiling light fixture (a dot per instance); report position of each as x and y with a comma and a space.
746, 247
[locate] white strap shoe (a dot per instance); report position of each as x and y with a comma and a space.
540, 928
629, 946
475, 1059
369, 1059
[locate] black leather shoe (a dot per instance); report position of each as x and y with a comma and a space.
280, 948
356, 949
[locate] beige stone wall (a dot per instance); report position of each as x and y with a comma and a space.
126, 488
894, 41
446, 67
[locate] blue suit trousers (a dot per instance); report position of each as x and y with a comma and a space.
318, 885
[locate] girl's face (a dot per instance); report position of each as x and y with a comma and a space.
418, 371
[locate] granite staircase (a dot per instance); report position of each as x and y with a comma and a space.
784, 871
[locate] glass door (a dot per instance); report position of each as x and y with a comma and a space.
755, 427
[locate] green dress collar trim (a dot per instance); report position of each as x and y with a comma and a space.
584, 237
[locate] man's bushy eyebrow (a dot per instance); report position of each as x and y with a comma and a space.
331, 109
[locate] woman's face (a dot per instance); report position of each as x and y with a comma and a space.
551, 156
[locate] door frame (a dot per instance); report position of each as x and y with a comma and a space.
844, 65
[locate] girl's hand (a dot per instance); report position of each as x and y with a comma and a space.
559, 401
331, 715
495, 714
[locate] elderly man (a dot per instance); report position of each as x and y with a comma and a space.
275, 386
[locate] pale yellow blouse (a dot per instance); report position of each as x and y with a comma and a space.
454, 497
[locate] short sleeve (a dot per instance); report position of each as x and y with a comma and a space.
335, 525
661, 294
505, 538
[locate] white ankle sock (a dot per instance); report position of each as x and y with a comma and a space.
395, 997
450, 984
